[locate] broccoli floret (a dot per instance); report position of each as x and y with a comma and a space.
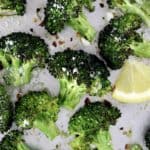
119, 39
147, 138
138, 7
12, 7
6, 110
92, 117
20, 53
90, 125
13, 141
78, 73
59, 13
38, 110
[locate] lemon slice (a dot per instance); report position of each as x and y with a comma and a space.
133, 83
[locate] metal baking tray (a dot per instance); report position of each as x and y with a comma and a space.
135, 117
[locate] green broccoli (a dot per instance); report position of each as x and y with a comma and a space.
12, 7
87, 4
90, 126
37, 110
141, 49
6, 110
138, 7
78, 73
147, 138
59, 13
13, 141
102, 140
119, 39
20, 53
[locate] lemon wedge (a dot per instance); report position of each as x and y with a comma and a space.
133, 83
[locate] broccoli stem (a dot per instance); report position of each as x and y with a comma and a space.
83, 27
26, 72
134, 8
141, 49
4, 11
70, 93
22, 146
103, 140
19, 74
80, 142
7, 12
99, 87
15, 62
48, 128
3, 60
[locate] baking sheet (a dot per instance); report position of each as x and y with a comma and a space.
135, 117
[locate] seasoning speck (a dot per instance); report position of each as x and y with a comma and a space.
101, 5
54, 44
61, 42
38, 10
121, 128
71, 39
87, 101
31, 29
42, 23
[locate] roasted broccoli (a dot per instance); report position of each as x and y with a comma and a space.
37, 110
13, 141
138, 7
12, 7
101, 140
147, 138
90, 126
78, 73
119, 39
59, 13
87, 4
6, 110
20, 53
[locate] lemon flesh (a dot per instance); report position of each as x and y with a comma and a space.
133, 83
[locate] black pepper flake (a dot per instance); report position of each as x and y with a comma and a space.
54, 44
87, 101
71, 39
77, 135
121, 128
31, 29
57, 146
101, 5
38, 10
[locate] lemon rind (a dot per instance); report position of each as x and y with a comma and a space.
131, 97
